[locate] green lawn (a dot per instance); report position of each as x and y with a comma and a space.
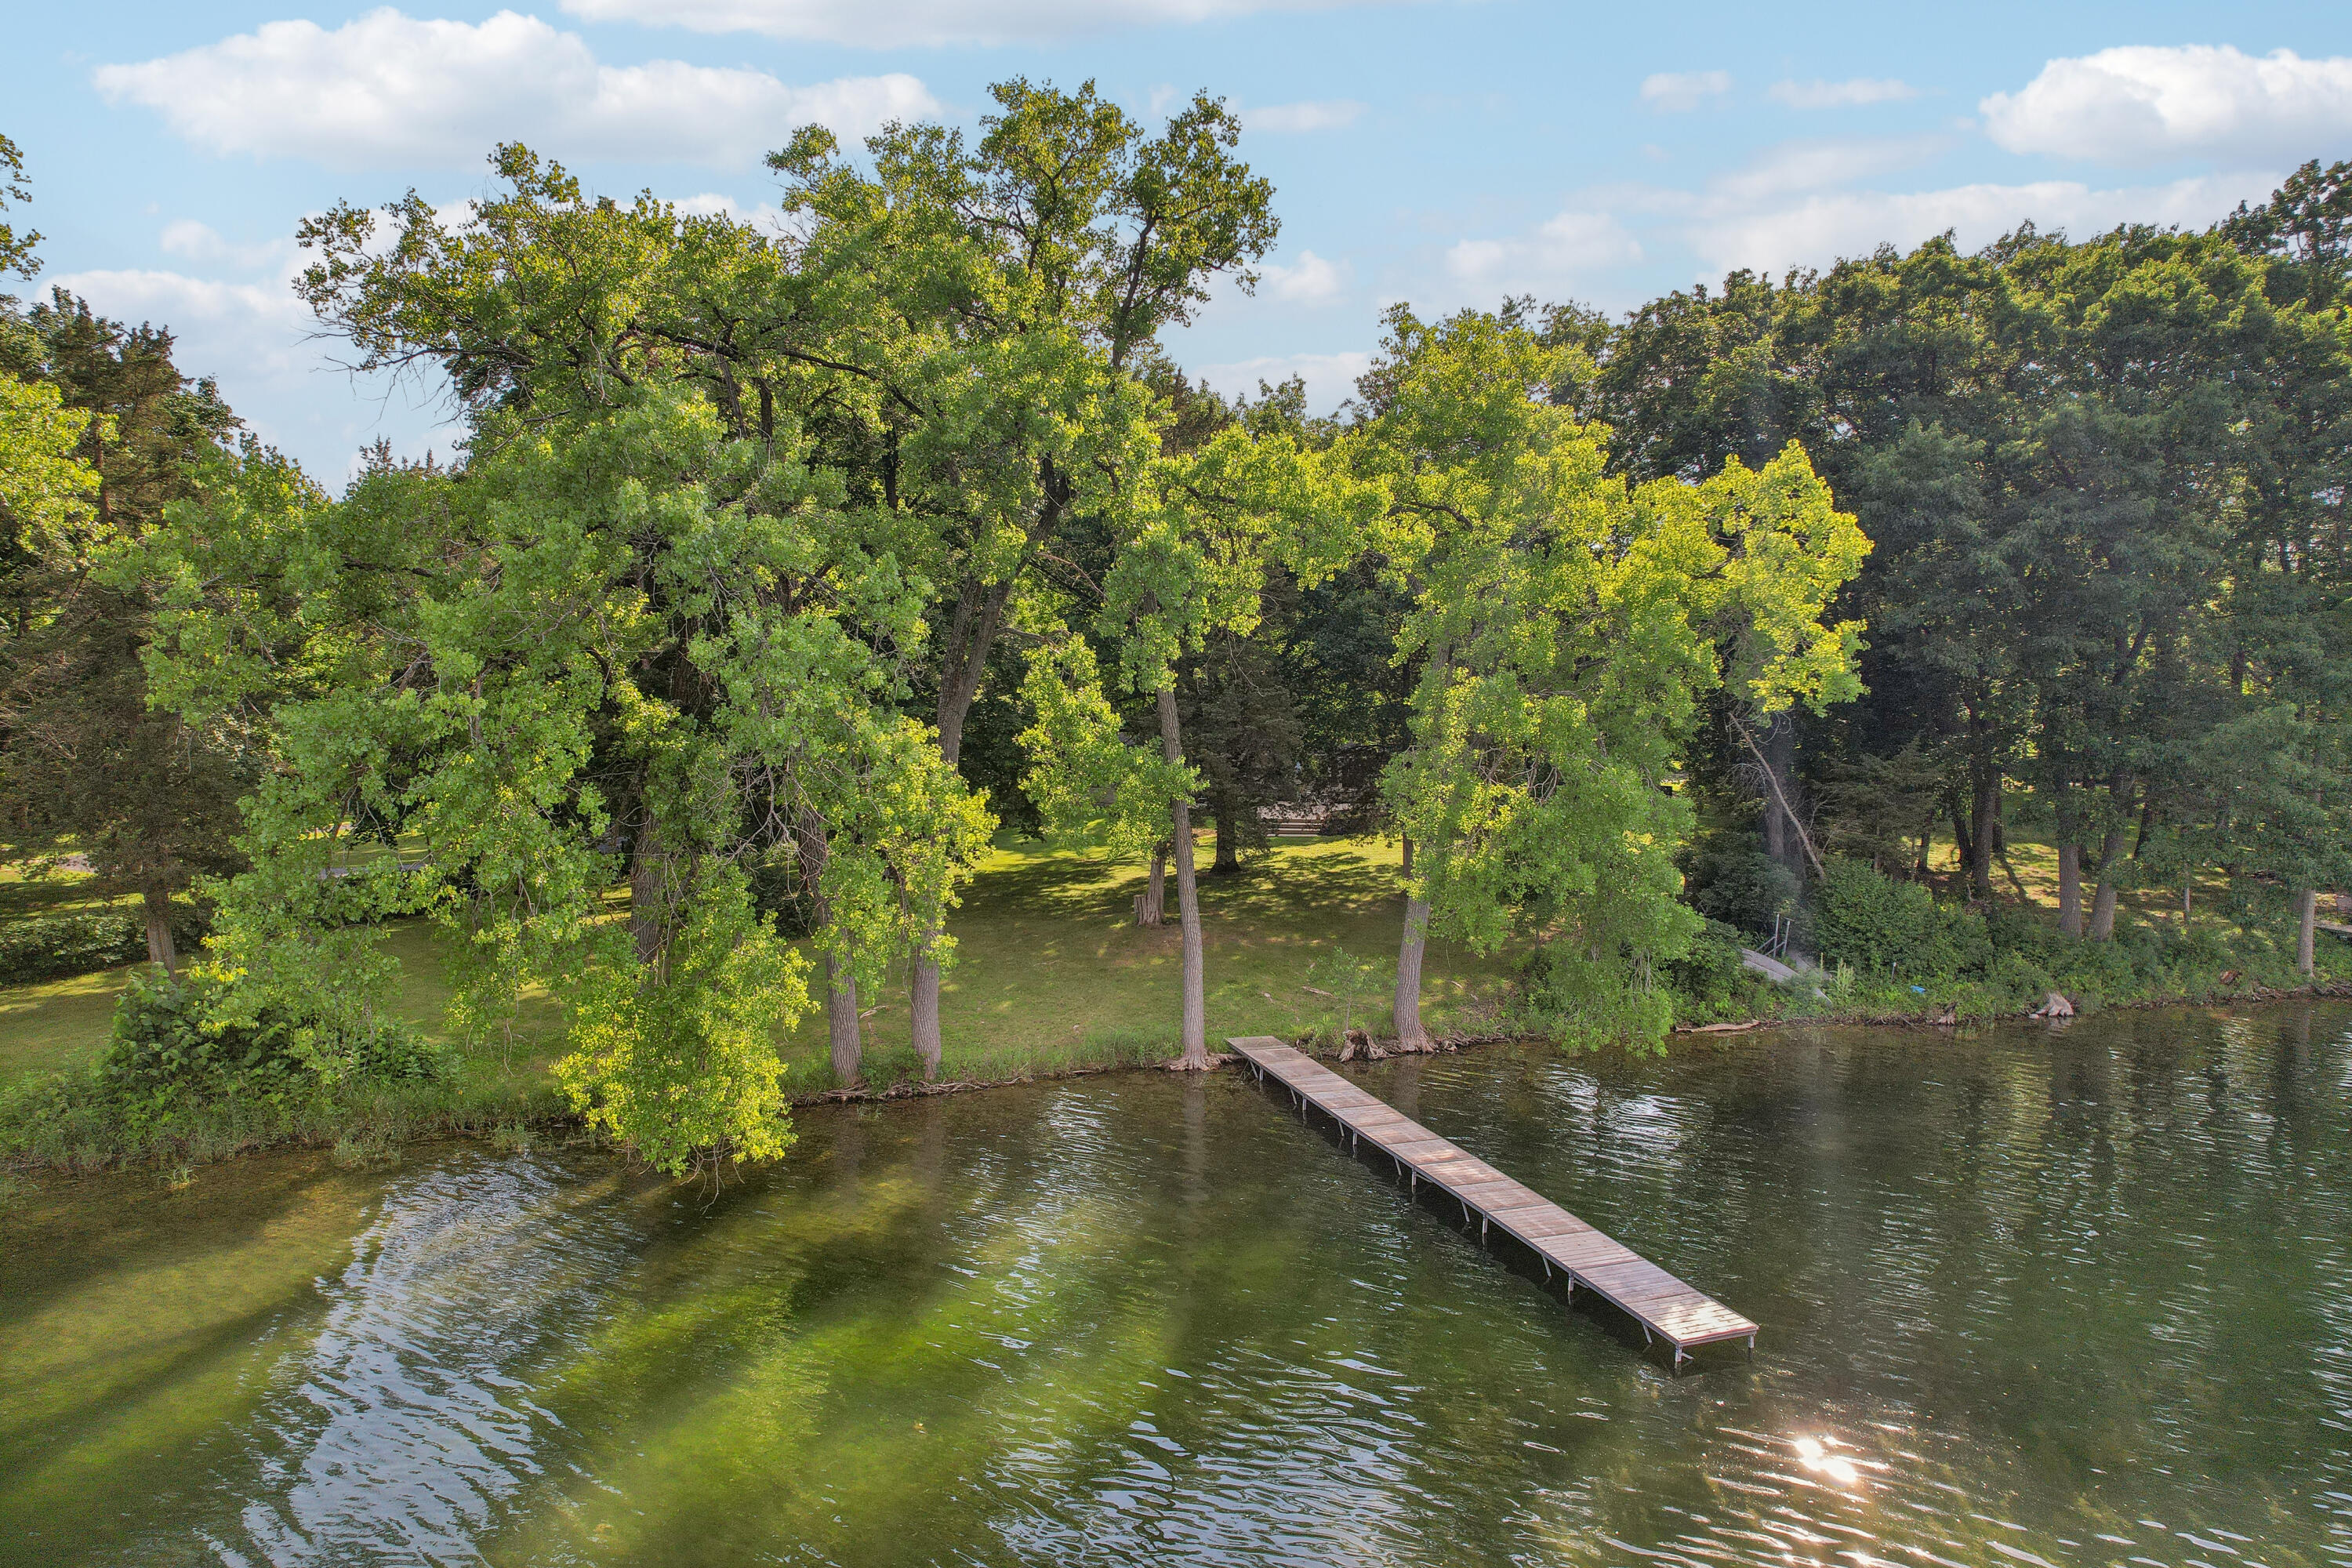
1049, 973
1050, 968
57, 892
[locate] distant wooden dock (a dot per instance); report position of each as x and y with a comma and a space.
1668, 1310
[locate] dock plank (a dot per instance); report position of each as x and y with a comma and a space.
1666, 1307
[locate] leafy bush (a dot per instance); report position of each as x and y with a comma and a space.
54, 946
173, 1041
1709, 977
1584, 1003
1739, 885
1874, 923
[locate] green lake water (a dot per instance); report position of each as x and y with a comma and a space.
2061, 1296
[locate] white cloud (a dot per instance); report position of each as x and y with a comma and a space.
1675, 91
201, 242
389, 90
1797, 205
2144, 104
1794, 166
1330, 378
928, 22
223, 328
1309, 281
1822, 226
1850, 94
253, 336
1327, 114
1559, 254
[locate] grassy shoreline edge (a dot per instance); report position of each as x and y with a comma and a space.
374, 1128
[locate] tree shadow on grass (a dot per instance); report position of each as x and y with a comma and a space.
1295, 889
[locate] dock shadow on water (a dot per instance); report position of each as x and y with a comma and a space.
2070, 1297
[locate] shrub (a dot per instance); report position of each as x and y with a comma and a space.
51, 947
1874, 923
1741, 887
1584, 1003
1710, 980
171, 1042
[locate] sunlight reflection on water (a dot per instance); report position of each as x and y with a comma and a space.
2027, 1299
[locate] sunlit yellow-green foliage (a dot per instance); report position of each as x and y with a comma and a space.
44, 486
622, 641
1568, 627
689, 1065
1088, 781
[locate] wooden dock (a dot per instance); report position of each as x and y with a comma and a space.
1668, 1310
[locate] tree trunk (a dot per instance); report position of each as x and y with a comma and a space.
1188, 897
923, 1019
1410, 1033
649, 884
2070, 889
1155, 897
923, 1014
980, 609
157, 907
1963, 847
1229, 853
2070, 858
841, 1021
1408, 854
1984, 826
2306, 932
840, 986
2102, 904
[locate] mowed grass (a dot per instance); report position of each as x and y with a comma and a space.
1050, 973
2035, 861
1051, 970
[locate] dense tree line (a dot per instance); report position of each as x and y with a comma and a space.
783, 568
2106, 483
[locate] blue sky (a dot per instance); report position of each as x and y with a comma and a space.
1446, 152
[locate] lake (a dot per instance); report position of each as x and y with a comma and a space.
2060, 1295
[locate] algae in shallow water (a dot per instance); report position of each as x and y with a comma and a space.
2022, 1292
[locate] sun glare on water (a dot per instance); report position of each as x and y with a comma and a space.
1814, 1455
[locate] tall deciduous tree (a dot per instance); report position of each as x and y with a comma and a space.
1033, 269
960, 329
86, 766
1569, 628
623, 640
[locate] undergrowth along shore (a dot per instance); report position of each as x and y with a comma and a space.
1055, 980
372, 1125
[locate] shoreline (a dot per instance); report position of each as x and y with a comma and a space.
384, 1148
